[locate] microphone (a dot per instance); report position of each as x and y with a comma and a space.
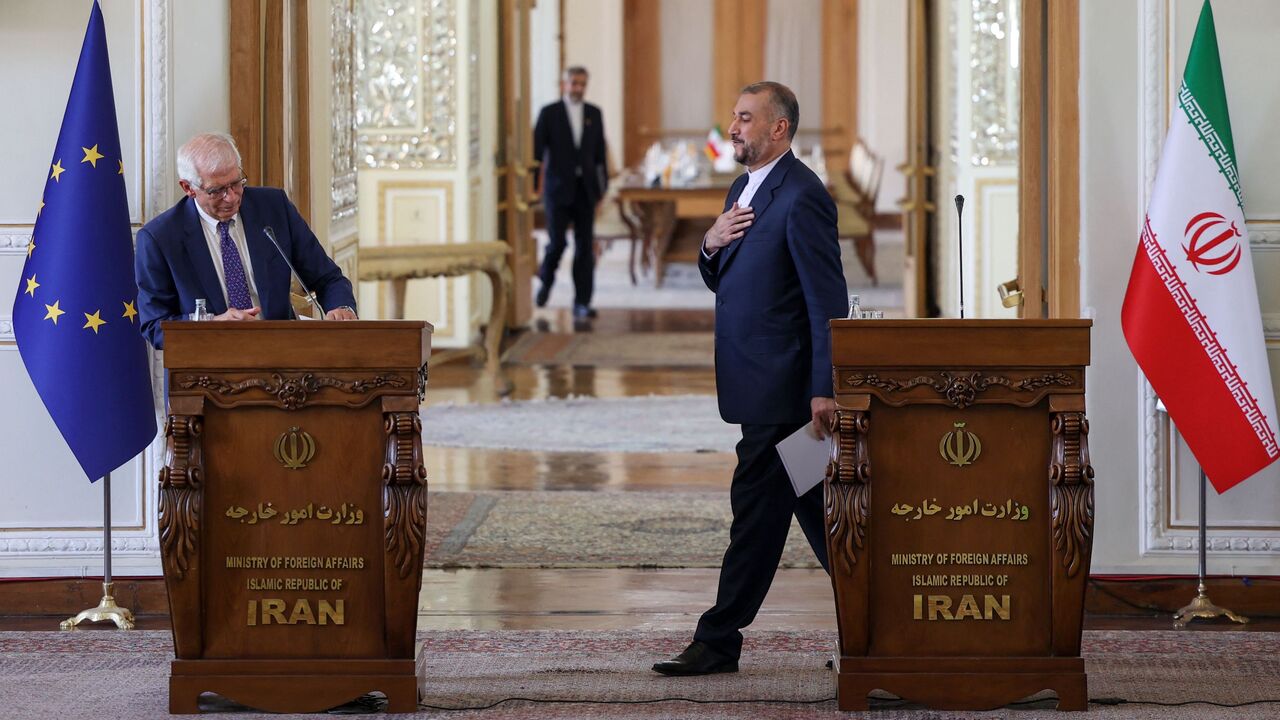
960, 244
311, 297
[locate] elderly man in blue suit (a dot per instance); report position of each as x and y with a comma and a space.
773, 261
219, 243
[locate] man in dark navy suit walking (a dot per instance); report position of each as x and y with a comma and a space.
773, 261
568, 140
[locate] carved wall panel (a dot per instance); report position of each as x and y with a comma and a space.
993, 84
343, 109
405, 83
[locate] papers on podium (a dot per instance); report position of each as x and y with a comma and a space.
805, 457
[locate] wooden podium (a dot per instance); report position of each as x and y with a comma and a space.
293, 505
960, 510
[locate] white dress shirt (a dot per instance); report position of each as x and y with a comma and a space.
755, 178
209, 224
575, 120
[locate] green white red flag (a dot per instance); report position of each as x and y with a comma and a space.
1191, 314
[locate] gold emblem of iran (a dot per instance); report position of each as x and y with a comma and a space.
959, 447
295, 448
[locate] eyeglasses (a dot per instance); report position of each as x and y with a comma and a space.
221, 191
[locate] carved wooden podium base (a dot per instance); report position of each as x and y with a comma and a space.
962, 683
959, 510
296, 686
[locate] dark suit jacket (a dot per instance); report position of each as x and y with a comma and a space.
173, 266
776, 287
553, 147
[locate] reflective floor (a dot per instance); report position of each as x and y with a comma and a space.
593, 598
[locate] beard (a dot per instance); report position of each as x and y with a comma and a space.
746, 154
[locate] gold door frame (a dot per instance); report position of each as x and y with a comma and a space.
1048, 163
515, 162
918, 205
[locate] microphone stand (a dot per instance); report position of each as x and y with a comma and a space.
311, 296
960, 245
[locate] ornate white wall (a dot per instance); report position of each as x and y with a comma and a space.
424, 149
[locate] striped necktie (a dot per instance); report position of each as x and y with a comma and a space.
233, 269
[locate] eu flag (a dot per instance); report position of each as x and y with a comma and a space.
75, 318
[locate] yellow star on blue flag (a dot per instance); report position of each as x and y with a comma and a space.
96, 385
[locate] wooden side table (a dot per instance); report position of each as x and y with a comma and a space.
400, 263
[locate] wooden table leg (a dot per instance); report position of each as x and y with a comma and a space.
664, 228
501, 280
646, 214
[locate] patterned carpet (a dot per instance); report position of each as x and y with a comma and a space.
572, 529
102, 674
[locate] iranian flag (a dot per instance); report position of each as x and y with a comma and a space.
1191, 314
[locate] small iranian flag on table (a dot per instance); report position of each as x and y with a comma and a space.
1191, 314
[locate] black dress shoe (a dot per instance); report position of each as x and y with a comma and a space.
544, 292
697, 659
583, 312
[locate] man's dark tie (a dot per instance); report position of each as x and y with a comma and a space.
233, 269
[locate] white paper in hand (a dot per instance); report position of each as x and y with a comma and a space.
805, 458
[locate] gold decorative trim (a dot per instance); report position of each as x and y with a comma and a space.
294, 448
954, 449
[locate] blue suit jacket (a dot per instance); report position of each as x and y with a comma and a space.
561, 159
173, 266
776, 287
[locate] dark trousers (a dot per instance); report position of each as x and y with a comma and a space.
763, 502
582, 215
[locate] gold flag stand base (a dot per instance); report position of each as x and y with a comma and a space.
1202, 608
106, 610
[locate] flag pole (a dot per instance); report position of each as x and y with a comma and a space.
1201, 606
107, 608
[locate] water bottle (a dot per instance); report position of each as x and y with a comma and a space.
855, 307
202, 310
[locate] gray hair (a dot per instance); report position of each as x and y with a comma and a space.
574, 70
782, 100
212, 153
